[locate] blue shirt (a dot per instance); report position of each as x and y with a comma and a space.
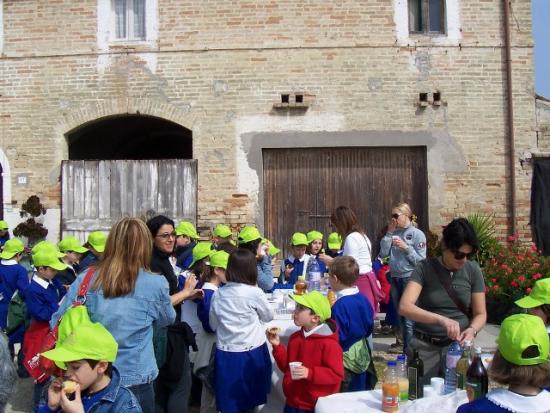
43, 298
297, 269
203, 306
13, 277
353, 315
112, 399
129, 319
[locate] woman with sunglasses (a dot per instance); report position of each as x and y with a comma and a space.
445, 297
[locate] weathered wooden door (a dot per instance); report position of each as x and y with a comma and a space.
303, 186
95, 194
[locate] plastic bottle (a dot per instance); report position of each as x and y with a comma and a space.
454, 353
477, 380
313, 274
416, 372
463, 365
403, 378
390, 389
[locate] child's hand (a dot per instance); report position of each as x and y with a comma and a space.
272, 335
300, 373
54, 394
288, 271
72, 406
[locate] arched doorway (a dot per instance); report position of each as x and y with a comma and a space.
130, 137
129, 165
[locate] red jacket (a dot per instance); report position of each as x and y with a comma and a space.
322, 355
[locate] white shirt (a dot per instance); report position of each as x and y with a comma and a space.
520, 404
9, 262
358, 246
237, 314
189, 315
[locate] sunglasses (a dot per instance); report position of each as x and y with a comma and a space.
459, 255
395, 216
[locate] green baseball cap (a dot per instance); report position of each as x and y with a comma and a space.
540, 295
313, 235
519, 332
315, 301
334, 241
219, 259
44, 258
3, 225
12, 247
89, 341
71, 243
298, 238
248, 234
47, 246
200, 251
273, 250
97, 240
222, 231
186, 228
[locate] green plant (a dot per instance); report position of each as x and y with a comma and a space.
31, 229
484, 226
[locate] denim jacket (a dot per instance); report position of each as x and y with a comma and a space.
130, 320
116, 399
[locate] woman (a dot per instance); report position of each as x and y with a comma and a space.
405, 245
127, 299
358, 246
173, 386
446, 298
250, 239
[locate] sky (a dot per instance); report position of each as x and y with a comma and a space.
541, 34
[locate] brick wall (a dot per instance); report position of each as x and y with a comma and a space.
219, 65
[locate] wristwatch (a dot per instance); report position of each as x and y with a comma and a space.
475, 331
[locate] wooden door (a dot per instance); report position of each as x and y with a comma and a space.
303, 186
95, 194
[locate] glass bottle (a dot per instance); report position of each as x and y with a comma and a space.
477, 380
416, 372
463, 365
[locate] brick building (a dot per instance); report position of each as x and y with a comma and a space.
245, 86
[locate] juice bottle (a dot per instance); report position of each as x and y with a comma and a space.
300, 286
463, 365
402, 378
390, 389
331, 296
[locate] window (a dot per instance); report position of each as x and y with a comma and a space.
129, 19
427, 16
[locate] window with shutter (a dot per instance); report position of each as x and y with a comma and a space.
129, 19
427, 16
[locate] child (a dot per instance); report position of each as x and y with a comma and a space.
13, 276
87, 353
521, 362
296, 263
250, 239
70, 246
242, 362
96, 245
4, 233
221, 235
354, 317
315, 247
206, 338
334, 244
186, 239
538, 302
42, 298
316, 347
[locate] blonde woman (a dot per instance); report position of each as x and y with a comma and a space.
127, 299
405, 245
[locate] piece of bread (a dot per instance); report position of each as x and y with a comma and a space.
69, 387
273, 331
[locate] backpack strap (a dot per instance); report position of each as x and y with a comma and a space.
83, 289
445, 281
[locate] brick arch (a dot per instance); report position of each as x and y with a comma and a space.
80, 116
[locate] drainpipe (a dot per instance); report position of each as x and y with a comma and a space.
510, 119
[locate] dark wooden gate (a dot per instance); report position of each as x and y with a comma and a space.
303, 186
95, 194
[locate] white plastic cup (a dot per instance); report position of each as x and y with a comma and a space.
429, 391
438, 384
292, 365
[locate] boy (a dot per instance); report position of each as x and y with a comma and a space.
87, 354
353, 315
95, 245
186, 239
538, 302
296, 263
316, 347
221, 235
70, 246
4, 233
13, 276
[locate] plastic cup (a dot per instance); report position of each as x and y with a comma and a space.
292, 365
429, 391
438, 384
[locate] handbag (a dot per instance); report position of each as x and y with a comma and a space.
39, 339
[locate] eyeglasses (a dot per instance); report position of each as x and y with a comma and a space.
395, 216
167, 236
459, 255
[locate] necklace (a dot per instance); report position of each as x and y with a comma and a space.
451, 273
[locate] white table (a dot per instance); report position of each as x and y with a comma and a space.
371, 402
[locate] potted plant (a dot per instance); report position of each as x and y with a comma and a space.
31, 229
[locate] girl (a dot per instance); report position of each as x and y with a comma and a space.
358, 246
206, 338
522, 363
242, 362
315, 247
405, 245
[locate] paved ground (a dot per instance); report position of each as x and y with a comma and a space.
22, 401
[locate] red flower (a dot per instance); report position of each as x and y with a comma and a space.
533, 248
512, 238
536, 276
528, 291
521, 278
514, 284
493, 280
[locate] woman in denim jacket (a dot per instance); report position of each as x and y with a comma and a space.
128, 299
